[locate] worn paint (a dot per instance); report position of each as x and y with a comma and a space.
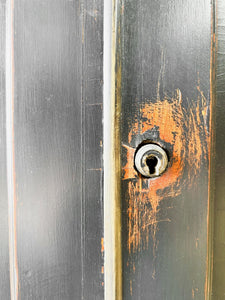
102, 245
102, 252
131, 288
157, 213
184, 133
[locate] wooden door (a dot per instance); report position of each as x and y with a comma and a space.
85, 84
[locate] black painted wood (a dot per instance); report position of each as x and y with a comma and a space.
164, 47
218, 237
165, 58
58, 148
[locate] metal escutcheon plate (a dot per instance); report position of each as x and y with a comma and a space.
151, 160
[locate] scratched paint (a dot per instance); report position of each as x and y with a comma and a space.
183, 132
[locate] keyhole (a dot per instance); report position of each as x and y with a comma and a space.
151, 162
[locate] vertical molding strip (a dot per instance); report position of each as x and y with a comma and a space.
211, 185
111, 137
11, 181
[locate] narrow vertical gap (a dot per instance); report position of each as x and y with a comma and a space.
117, 151
218, 153
11, 177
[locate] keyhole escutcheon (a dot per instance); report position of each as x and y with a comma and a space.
150, 160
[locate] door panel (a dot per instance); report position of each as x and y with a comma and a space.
163, 53
57, 90
163, 84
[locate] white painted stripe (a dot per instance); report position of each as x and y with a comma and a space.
109, 265
10, 149
109, 149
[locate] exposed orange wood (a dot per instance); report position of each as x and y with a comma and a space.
187, 133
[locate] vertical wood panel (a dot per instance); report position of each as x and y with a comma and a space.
165, 58
58, 121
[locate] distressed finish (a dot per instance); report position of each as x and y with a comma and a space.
164, 62
167, 88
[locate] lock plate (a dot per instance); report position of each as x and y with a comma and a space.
151, 160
